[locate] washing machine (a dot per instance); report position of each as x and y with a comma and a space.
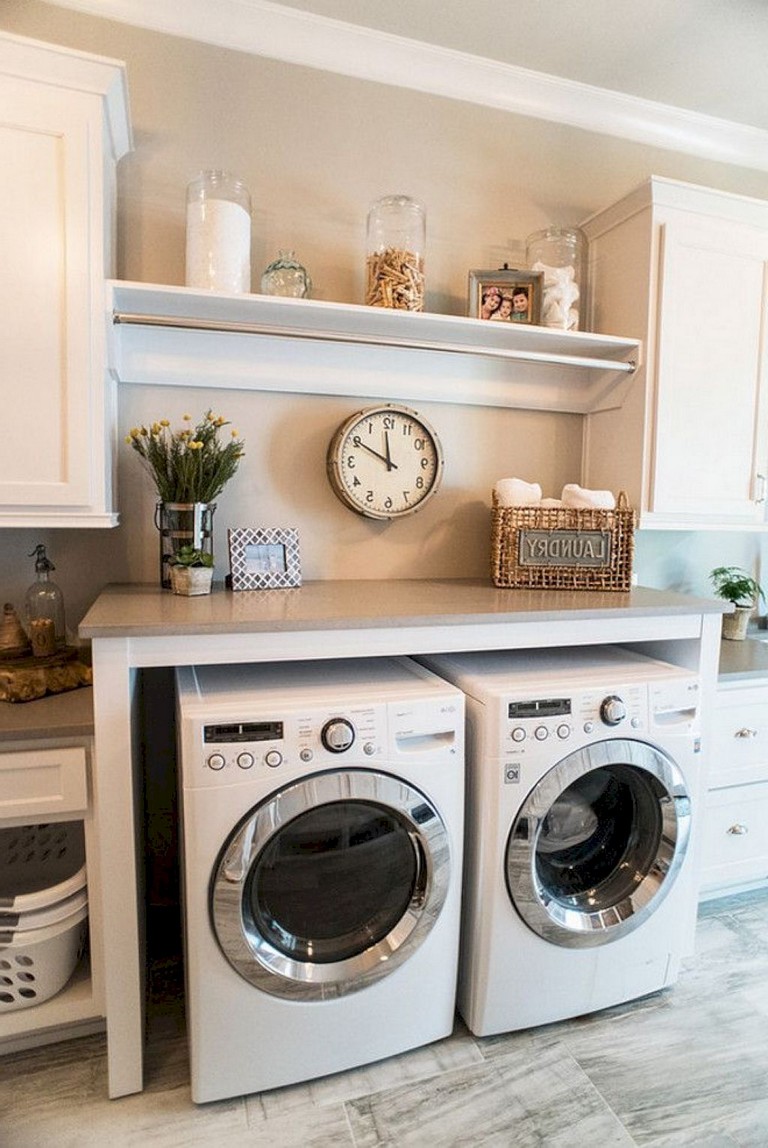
322, 808
584, 786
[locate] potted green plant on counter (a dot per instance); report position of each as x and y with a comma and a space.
189, 468
737, 586
191, 571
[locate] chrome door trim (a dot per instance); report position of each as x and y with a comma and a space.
263, 965
569, 925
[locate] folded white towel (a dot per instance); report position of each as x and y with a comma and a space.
578, 498
516, 492
551, 503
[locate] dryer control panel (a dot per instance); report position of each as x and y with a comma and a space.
293, 741
533, 726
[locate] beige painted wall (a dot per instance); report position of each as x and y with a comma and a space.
315, 149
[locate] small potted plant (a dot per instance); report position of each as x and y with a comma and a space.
735, 585
191, 571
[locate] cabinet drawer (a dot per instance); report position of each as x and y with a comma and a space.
42, 782
735, 838
740, 743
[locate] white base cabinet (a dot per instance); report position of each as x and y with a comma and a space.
684, 268
63, 127
734, 846
41, 782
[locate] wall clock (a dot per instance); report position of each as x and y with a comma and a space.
385, 462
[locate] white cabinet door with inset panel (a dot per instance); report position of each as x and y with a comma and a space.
63, 126
685, 268
734, 844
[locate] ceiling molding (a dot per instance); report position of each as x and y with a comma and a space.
264, 28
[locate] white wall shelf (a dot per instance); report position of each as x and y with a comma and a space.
177, 336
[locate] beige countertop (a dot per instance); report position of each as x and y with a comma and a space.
69, 714
138, 610
744, 661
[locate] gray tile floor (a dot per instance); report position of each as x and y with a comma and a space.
688, 1066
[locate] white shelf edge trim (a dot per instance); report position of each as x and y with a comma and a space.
187, 323
264, 28
159, 335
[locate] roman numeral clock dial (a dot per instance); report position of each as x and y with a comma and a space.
385, 462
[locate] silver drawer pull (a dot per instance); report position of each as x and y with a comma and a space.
745, 731
737, 830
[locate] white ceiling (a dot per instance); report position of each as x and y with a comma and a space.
709, 56
689, 75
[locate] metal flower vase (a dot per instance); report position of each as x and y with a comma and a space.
182, 524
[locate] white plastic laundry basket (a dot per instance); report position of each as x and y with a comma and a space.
40, 865
43, 911
35, 964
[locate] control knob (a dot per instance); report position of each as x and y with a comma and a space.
612, 710
337, 735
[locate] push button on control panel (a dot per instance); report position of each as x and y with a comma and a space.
216, 761
541, 733
518, 733
245, 760
273, 758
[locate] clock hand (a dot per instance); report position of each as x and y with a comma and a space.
390, 464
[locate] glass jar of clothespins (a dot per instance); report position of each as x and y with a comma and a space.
396, 238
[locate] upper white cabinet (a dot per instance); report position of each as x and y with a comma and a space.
63, 126
684, 269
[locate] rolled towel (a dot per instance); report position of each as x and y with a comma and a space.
551, 503
516, 492
578, 498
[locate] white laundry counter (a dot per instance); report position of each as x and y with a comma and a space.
136, 626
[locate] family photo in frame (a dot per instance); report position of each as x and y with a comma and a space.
505, 296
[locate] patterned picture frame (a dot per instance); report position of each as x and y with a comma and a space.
264, 558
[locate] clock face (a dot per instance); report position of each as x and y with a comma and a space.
385, 462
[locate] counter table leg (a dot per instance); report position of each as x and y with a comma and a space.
116, 783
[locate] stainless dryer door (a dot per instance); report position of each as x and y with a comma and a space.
597, 844
330, 883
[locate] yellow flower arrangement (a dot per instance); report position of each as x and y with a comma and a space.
191, 464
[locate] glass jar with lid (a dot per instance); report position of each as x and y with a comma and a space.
559, 253
286, 276
396, 238
218, 233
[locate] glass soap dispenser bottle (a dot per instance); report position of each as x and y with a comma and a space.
44, 604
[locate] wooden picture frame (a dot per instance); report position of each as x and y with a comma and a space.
264, 558
517, 295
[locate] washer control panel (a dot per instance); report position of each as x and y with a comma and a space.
314, 737
573, 718
295, 740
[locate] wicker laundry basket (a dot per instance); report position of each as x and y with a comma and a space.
559, 548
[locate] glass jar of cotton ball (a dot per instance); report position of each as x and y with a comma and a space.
559, 253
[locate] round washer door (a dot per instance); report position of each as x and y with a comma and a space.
330, 884
597, 844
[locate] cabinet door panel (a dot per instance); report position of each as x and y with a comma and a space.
708, 448
45, 361
734, 846
739, 741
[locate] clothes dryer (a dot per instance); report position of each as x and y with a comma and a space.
583, 787
322, 833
